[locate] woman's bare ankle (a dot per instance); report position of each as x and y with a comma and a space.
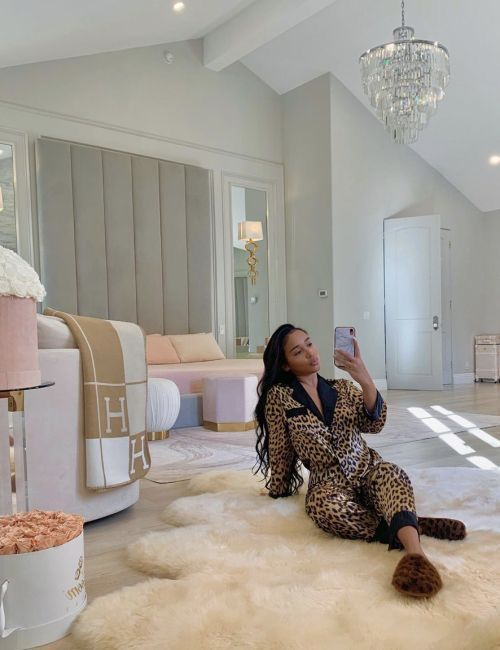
417, 550
409, 538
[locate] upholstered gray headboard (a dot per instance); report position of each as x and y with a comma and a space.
125, 237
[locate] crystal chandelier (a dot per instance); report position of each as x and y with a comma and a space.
405, 80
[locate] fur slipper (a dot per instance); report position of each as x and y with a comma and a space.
415, 576
442, 528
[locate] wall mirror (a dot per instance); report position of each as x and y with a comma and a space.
8, 222
250, 247
15, 197
248, 312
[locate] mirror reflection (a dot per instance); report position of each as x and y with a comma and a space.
251, 284
8, 232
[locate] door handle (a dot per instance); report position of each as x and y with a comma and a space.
435, 323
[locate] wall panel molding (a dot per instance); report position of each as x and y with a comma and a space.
135, 132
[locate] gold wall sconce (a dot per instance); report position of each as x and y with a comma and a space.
251, 232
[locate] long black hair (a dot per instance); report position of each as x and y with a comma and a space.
274, 373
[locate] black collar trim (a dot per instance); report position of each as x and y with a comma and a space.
327, 395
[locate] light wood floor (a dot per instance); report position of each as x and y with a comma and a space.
106, 540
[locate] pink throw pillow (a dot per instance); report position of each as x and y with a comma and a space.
159, 350
196, 347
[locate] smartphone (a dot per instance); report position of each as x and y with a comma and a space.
344, 339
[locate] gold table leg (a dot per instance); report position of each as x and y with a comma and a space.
158, 435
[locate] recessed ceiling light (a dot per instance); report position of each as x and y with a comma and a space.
178, 7
494, 160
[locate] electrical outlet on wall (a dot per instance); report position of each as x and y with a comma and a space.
467, 366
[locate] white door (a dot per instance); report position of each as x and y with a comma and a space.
412, 255
446, 306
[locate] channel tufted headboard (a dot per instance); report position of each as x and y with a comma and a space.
125, 237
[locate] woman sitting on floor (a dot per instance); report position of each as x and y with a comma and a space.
352, 492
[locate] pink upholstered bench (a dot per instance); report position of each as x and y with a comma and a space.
229, 403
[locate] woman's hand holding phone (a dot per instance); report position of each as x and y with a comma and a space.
356, 368
352, 364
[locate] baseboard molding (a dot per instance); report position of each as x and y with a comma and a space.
460, 378
463, 378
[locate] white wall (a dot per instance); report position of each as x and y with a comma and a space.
491, 278
135, 89
132, 100
343, 177
308, 201
374, 179
229, 122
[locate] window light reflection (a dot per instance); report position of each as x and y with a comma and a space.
441, 409
435, 425
485, 437
482, 462
456, 443
461, 421
419, 412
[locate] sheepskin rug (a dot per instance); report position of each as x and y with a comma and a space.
240, 570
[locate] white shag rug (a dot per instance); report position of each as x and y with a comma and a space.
241, 571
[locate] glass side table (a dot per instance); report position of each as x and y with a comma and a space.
15, 501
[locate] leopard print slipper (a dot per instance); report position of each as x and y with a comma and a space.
442, 528
415, 576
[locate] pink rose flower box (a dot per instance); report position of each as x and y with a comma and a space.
18, 343
20, 289
42, 581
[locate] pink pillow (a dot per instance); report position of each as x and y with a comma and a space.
196, 347
159, 350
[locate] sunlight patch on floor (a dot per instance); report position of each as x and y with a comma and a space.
482, 462
452, 439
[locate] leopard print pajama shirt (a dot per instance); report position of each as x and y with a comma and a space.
352, 492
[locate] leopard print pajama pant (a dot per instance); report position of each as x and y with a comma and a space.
383, 499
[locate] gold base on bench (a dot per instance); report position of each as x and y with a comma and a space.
158, 435
229, 426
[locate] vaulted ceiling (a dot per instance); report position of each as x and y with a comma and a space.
289, 42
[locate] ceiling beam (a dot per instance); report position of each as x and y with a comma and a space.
256, 25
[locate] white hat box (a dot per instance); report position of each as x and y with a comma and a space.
41, 593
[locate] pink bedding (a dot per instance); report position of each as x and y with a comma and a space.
189, 376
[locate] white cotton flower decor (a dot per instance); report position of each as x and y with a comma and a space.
18, 278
